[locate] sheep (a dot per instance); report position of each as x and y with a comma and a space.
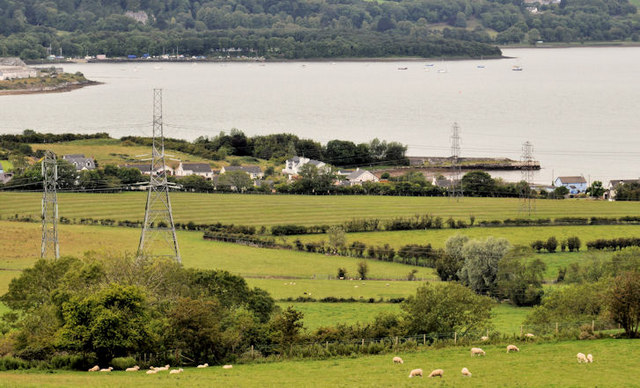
205, 365
152, 371
415, 372
133, 369
582, 358
159, 369
512, 348
529, 335
589, 357
176, 371
227, 366
397, 360
484, 338
465, 372
436, 372
94, 369
477, 351
109, 369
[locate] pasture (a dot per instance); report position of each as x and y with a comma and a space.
258, 210
536, 365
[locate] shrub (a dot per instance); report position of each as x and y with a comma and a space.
551, 244
287, 230
122, 363
71, 361
342, 273
573, 243
537, 245
12, 363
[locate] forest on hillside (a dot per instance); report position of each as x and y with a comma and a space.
33, 29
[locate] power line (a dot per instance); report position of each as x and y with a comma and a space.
455, 186
527, 200
158, 237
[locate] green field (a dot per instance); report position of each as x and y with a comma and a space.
301, 209
515, 235
6, 165
318, 289
536, 365
328, 314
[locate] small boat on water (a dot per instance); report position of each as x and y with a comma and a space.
516, 68
480, 66
403, 68
429, 65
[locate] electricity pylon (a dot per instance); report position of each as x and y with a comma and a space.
158, 238
455, 187
527, 201
49, 247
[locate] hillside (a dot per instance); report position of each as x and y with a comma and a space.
301, 29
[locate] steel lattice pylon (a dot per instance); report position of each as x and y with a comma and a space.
527, 201
455, 186
49, 247
158, 238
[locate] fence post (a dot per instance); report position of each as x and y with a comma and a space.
455, 337
556, 327
363, 342
521, 330
424, 339
251, 351
326, 345
593, 325
396, 340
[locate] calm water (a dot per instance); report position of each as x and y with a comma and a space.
579, 106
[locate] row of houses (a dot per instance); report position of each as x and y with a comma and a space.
293, 168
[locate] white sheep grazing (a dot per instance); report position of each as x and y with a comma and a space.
133, 369
581, 358
436, 372
109, 369
415, 372
529, 335
397, 360
159, 369
205, 365
512, 348
484, 338
176, 371
227, 366
94, 369
477, 351
152, 371
465, 372
589, 357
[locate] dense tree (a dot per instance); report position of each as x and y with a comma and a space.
481, 259
478, 184
624, 302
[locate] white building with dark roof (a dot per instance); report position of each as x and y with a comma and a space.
145, 169
201, 169
80, 162
359, 176
575, 184
255, 172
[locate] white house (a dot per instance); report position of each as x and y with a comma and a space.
575, 184
359, 176
292, 166
255, 172
201, 169
145, 169
613, 187
80, 162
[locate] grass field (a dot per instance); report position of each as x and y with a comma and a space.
515, 235
281, 289
109, 151
328, 314
301, 209
6, 165
536, 365
21, 245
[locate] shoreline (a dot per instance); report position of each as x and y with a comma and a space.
56, 89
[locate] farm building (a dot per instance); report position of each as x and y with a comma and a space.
80, 162
575, 184
359, 176
201, 169
613, 185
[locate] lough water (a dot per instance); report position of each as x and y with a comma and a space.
579, 106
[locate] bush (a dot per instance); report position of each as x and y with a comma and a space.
12, 363
573, 243
72, 361
122, 363
287, 230
551, 245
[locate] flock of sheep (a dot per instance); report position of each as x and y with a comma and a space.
479, 352
153, 370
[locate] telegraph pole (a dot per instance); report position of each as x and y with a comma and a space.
158, 238
49, 247
455, 187
527, 202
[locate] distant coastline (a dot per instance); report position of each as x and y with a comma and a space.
41, 88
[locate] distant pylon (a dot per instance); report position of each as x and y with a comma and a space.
527, 200
158, 238
49, 247
455, 186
